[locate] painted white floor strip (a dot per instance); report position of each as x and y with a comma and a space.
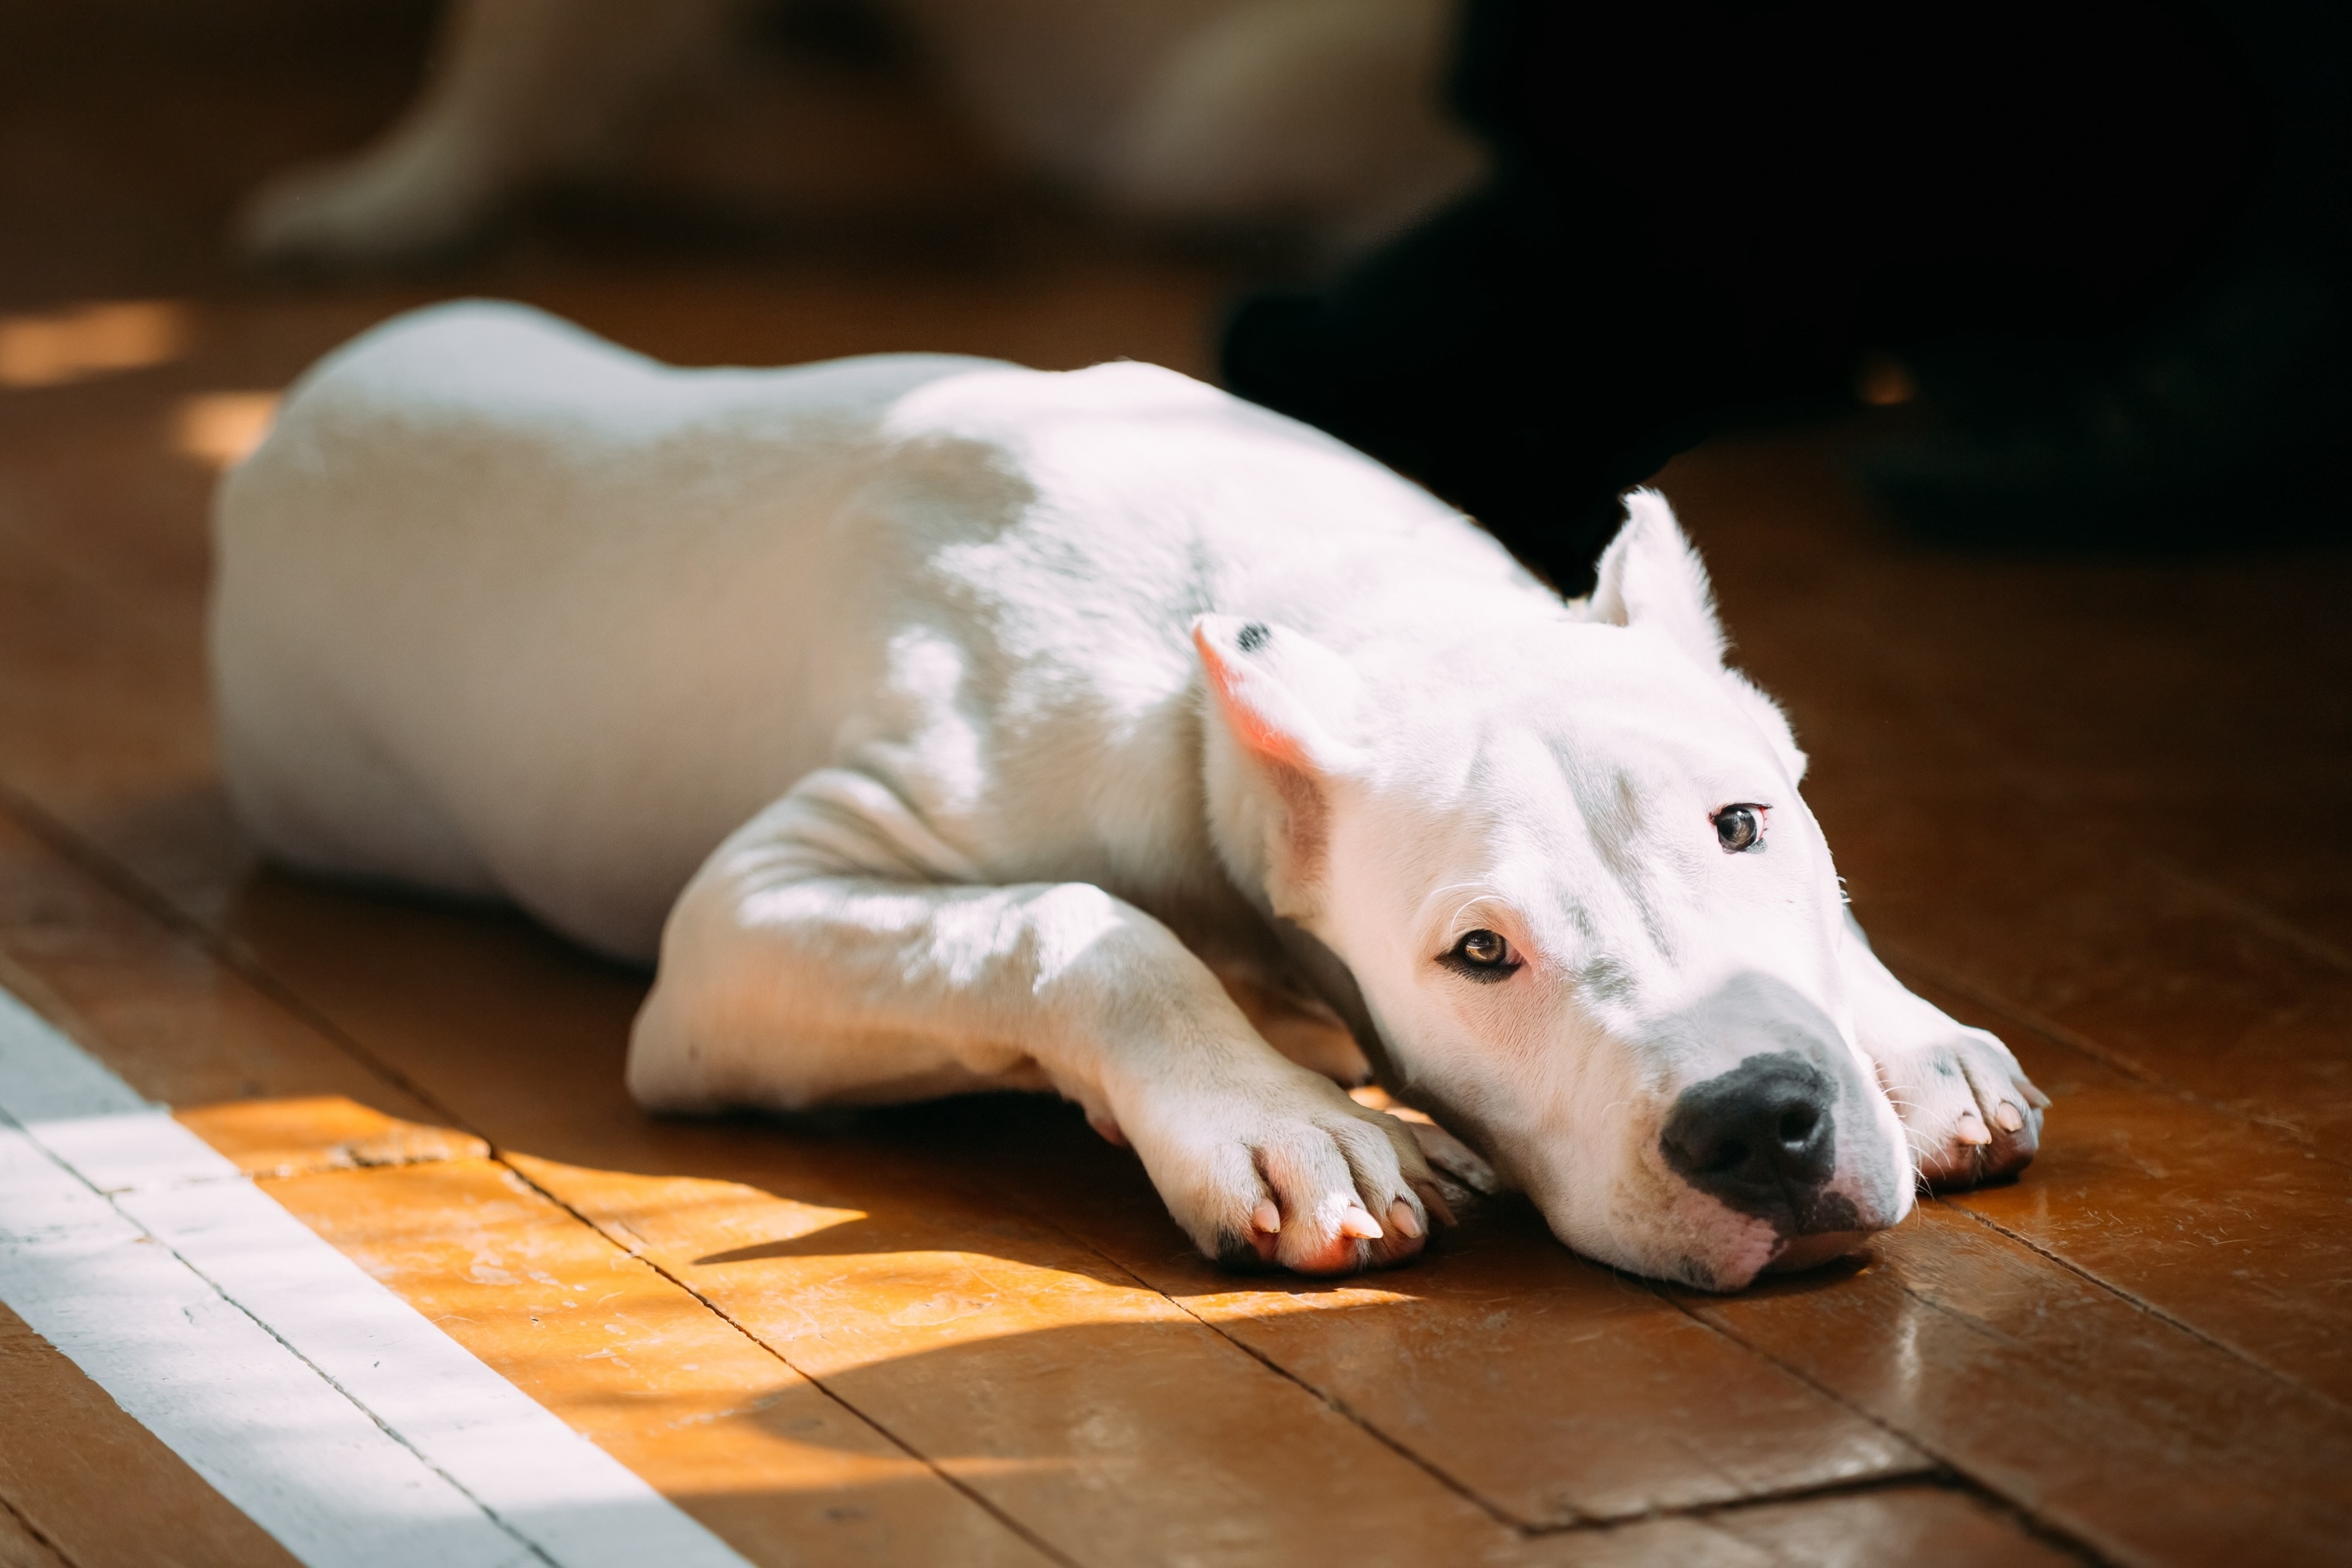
327, 1409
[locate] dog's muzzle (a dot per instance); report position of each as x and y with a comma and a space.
1761, 1140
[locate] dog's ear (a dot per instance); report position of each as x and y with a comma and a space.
1290, 706
1651, 576
1288, 700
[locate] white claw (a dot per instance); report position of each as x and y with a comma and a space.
1971, 1129
1266, 1218
2008, 1118
1359, 1225
1400, 1216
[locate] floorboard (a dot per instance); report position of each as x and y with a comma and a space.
83, 1482
2235, 1231
20, 1547
2112, 1426
1918, 1527
1555, 1390
713, 1419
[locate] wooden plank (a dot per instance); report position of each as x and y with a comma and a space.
1556, 1389
1620, 1406
2150, 1444
143, 987
2239, 1232
102, 700
70, 1460
159, 1010
20, 1548
325, 1409
1092, 1409
1683, 1542
1553, 1386
2116, 675
321, 1133
722, 1427
2250, 844
1917, 1527
2074, 923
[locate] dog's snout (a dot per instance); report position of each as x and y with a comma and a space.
1766, 1142
1762, 1139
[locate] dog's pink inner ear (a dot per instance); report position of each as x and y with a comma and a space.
1251, 703
1276, 729
1291, 704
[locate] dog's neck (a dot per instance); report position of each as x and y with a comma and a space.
1335, 983
1247, 821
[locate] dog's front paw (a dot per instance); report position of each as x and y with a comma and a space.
1970, 1111
1290, 1173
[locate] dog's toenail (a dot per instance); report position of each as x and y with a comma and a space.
1971, 1129
1266, 1218
2009, 1118
1400, 1216
1359, 1225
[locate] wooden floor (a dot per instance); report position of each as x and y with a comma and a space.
2101, 806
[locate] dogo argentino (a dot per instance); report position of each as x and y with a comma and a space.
943, 725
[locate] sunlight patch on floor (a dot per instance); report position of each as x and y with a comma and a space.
221, 429
96, 339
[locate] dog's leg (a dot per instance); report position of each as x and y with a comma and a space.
1971, 1113
786, 983
522, 88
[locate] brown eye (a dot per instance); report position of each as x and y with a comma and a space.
1740, 828
1482, 955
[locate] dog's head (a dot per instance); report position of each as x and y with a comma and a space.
1594, 927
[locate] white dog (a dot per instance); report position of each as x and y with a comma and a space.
1322, 113
946, 725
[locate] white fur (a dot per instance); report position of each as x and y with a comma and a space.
1322, 113
943, 725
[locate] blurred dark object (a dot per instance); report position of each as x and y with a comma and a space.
128, 127
2107, 239
1318, 119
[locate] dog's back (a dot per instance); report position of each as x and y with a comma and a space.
502, 609
493, 587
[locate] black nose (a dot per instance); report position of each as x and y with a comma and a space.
1760, 1139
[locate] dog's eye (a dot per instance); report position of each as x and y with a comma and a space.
1739, 828
1482, 955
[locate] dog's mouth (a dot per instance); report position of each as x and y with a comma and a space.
1800, 1253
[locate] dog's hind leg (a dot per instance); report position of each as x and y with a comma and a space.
522, 89
791, 977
